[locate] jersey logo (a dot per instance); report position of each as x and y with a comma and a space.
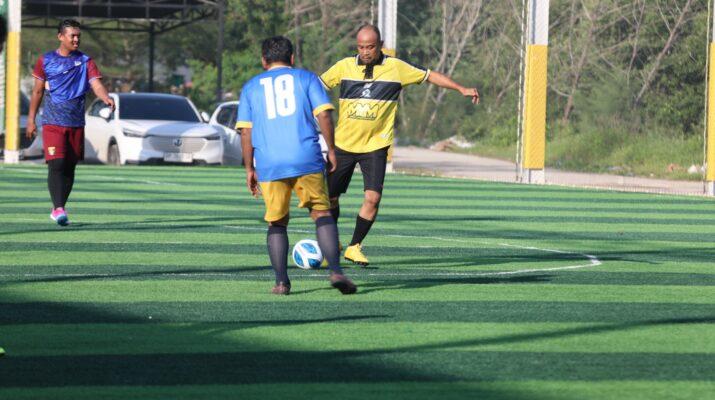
51, 150
77, 63
364, 111
366, 91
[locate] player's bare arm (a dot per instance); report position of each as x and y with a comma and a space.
325, 121
247, 149
446, 82
38, 91
101, 92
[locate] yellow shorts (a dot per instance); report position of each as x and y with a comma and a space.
311, 190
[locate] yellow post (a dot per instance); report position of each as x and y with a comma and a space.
12, 84
710, 143
535, 107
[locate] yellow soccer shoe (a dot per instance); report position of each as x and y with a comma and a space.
325, 261
354, 253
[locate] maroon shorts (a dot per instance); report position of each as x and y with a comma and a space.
63, 142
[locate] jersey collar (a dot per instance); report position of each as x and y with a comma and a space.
380, 61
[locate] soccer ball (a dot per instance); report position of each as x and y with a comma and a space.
307, 254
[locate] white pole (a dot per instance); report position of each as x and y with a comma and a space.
534, 118
387, 23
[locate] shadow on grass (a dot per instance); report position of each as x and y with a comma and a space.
200, 355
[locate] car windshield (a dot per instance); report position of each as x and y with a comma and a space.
157, 107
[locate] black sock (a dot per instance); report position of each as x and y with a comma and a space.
327, 233
69, 180
277, 240
362, 227
335, 212
56, 181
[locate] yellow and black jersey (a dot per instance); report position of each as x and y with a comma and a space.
368, 105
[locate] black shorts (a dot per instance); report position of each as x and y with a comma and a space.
372, 165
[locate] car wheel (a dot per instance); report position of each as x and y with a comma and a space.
113, 157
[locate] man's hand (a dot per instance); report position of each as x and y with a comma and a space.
252, 183
332, 161
110, 102
31, 129
471, 92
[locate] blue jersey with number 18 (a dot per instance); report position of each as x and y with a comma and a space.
279, 105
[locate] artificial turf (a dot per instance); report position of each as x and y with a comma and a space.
160, 289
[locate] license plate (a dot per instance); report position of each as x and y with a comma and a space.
179, 157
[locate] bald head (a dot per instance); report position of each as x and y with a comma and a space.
369, 31
369, 43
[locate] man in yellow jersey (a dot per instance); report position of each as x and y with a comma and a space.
370, 85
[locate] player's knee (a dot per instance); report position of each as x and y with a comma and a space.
58, 164
315, 214
281, 222
372, 198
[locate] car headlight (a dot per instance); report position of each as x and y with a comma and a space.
132, 133
213, 137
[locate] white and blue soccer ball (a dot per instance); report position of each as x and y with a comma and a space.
307, 254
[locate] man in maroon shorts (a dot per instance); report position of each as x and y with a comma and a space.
66, 74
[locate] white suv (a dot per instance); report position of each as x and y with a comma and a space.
151, 128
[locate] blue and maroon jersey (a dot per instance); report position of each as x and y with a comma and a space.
66, 82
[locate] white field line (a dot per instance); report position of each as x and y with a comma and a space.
111, 178
593, 261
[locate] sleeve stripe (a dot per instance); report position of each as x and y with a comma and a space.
322, 108
37, 77
426, 75
243, 124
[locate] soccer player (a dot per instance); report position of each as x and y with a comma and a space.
66, 74
370, 85
276, 116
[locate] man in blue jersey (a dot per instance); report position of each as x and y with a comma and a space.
276, 116
65, 75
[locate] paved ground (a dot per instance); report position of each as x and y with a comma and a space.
439, 163
413, 159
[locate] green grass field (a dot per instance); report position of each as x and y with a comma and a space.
160, 289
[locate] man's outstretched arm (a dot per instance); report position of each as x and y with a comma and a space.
446, 82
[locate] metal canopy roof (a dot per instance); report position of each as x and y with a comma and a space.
149, 16
124, 15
